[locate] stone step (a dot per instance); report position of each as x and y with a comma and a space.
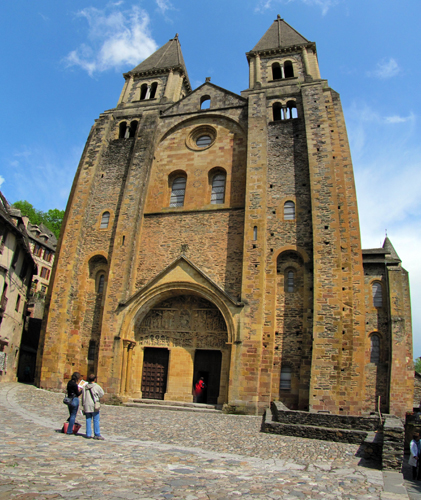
353, 436
173, 405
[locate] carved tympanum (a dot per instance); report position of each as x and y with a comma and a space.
183, 321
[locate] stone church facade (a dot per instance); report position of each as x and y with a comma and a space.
217, 235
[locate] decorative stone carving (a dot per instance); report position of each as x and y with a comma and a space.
183, 321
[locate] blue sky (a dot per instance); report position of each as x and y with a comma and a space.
63, 62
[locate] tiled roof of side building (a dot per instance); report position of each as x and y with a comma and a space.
280, 34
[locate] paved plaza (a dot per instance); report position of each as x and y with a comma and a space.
161, 454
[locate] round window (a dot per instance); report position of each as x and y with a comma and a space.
201, 138
203, 141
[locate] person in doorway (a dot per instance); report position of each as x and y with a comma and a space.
90, 402
73, 392
199, 390
414, 448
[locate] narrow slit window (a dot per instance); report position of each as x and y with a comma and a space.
289, 210
377, 295
105, 219
101, 282
285, 382
375, 349
91, 350
218, 189
177, 192
290, 281
255, 233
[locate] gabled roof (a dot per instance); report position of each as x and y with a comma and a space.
227, 99
280, 34
167, 57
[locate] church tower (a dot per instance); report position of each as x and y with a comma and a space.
216, 235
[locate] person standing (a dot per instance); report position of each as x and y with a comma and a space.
73, 392
414, 454
90, 402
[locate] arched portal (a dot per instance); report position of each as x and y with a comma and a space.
183, 338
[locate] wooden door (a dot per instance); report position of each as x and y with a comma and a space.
154, 376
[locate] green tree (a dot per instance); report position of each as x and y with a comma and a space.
51, 219
417, 365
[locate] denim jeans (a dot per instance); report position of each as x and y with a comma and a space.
95, 416
73, 408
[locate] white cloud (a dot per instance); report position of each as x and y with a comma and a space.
1, 180
116, 38
385, 69
399, 119
325, 5
164, 5
44, 164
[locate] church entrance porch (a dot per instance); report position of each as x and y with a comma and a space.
180, 340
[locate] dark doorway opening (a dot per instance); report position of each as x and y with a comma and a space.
154, 375
207, 364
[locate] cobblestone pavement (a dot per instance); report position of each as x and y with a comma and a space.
158, 454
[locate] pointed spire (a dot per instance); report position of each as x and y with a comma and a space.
280, 34
169, 56
387, 245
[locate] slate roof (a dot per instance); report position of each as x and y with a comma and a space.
167, 57
280, 34
33, 234
386, 253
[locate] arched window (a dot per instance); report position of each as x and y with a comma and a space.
290, 278
100, 284
178, 190
276, 71
133, 127
143, 91
154, 86
289, 210
374, 349
105, 219
288, 69
285, 382
218, 189
122, 130
277, 111
205, 102
377, 292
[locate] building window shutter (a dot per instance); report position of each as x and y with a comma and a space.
289, 210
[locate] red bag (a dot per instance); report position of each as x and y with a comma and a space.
76, 427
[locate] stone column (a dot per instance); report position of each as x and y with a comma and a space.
129, 367
180, 375
126, 343
258, 72
251, 72
168, 87
305, 61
